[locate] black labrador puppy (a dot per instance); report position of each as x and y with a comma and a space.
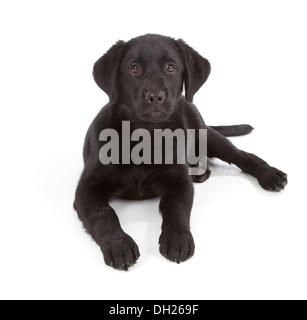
144, 79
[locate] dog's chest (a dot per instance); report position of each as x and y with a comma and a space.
137, 183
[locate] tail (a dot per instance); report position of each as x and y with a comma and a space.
233, 131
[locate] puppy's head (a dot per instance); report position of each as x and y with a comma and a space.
148, 73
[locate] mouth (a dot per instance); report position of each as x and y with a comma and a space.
154, 116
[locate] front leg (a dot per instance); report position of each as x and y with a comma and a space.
176, 241
101, 222
268, 177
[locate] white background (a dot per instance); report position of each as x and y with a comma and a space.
250, 244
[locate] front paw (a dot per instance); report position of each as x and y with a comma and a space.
273, 179
120, 251
177, 246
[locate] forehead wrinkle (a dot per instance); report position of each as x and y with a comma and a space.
152, 52
154, 57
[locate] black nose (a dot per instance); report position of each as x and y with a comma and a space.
155, 97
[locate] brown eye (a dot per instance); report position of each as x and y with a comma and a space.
135, 69
170, 68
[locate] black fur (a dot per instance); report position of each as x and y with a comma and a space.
144, 79
233, 131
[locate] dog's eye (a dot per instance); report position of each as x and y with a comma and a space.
170, 68
135, 69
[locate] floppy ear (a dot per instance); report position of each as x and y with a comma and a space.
106, 70
197, 69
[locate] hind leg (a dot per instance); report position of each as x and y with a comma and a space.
268, 177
